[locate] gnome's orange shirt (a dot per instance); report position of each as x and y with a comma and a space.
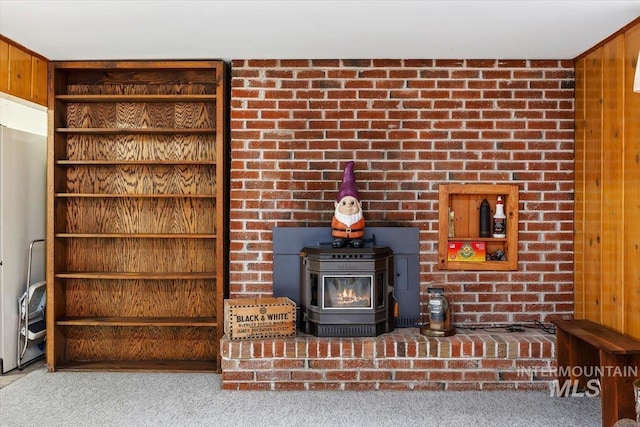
354, 231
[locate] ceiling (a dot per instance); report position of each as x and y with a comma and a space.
216, 29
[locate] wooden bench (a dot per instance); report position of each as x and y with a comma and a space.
586, 350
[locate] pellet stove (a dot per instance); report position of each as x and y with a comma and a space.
347, 292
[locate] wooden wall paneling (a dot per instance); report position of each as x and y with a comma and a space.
4, 66
607, 239
631, 243
593, 186
612, 189
578, 245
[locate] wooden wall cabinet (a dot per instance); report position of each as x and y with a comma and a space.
464, 200
136, 212
22, 72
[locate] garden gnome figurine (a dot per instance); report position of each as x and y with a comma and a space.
347, 225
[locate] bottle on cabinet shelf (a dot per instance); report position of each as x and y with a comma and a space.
499, 220
485, 222
452, 229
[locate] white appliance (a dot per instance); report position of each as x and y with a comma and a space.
22, 220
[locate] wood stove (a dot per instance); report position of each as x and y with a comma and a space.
347, 292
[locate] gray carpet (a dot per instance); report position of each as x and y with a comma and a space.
164, 399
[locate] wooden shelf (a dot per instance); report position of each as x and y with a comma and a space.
137, 196
134, 162
139, 130
138, 321
135, 236
140, 366
479, 239
136, 215
464, 200
135, 276
135, 98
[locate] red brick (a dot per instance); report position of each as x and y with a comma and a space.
456, 386
288, 364
481, 375
289, 386
361, 386
393, 363
358, 364
397, 386
445, 375
413, 375
423, 386
306, 375
542, 386
341, 375
491, 386
324, 386
434, 364
229, 376
377, 375
273, 376
325, 364
252, 386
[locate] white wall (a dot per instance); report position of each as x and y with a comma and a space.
26, 116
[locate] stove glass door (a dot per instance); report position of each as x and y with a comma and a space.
347, 292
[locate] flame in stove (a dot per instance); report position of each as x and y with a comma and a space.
349, 296
347, 292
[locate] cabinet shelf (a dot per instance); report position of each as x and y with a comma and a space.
125, 131
135, 98
139, 321
464, 201
138, 196
478, 239
135, 162
135, 236
135, 276
140, 366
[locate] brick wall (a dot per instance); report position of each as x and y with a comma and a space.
409, 125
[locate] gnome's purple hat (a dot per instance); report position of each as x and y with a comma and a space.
348, 185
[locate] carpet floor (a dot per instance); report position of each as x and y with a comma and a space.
195, 399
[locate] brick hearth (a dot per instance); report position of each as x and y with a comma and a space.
401, 360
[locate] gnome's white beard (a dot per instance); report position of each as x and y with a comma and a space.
348, 220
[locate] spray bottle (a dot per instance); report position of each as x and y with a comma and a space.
499, 220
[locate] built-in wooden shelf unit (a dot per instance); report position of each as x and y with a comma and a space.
136, 215
464, 200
